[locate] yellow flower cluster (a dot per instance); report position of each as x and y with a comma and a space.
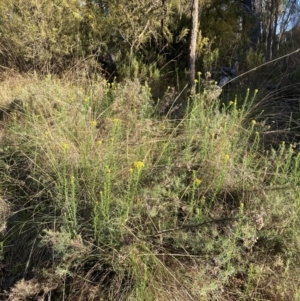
138, 164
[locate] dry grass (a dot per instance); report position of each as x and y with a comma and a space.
111, 201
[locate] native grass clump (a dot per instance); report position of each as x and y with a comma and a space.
104, 199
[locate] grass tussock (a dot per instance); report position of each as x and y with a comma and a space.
108, 200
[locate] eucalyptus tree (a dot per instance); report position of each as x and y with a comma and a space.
193, 43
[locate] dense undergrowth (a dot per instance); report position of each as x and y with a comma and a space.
102, 198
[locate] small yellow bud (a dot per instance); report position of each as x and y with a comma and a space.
197, 181
64, 146
241, 207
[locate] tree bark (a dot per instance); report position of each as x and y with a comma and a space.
193, 45
251, 23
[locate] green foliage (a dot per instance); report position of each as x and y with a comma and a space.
39, 35
219, 23
50, 37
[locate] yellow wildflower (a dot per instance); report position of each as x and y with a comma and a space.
226, 157
139, 164
253, 122
93, 123
197, 181
64, 146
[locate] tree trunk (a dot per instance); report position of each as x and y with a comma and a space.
275, 33
193, 45
251, 23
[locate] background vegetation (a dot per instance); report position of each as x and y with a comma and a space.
120, 183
